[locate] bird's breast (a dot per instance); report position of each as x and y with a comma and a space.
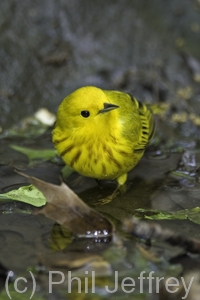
101, 156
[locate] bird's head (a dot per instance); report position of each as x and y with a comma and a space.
87, 107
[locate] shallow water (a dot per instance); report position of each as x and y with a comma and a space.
32, 242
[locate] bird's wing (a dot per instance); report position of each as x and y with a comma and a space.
148, 124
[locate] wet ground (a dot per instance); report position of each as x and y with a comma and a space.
150, 49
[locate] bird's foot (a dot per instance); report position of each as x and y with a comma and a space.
108, 199
103, 201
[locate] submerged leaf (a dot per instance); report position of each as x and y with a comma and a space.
67, 209
33, 155
186, 214
27, 194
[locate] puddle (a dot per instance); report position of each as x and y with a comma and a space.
34, 246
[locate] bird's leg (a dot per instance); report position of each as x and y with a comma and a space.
121, 188
109, 198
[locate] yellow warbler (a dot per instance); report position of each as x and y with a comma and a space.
102, 134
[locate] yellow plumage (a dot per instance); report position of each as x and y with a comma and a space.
102, 134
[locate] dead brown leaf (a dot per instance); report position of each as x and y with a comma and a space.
66, 208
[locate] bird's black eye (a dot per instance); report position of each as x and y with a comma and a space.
85, 113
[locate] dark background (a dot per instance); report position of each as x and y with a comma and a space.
48, 48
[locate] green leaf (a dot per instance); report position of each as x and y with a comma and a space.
33, 155
186, 214
27, 194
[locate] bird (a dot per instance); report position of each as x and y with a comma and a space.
102, 133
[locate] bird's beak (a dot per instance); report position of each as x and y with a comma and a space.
108, 107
